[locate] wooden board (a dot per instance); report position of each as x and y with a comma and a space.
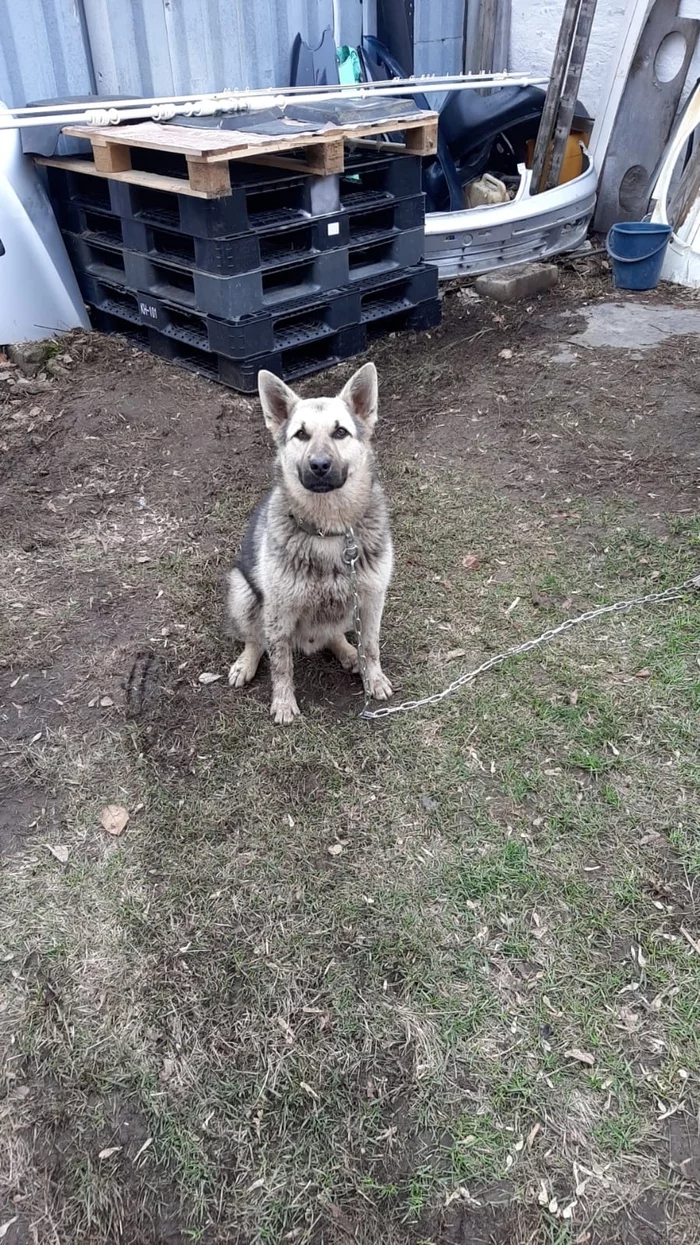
211, 146
207, 152
154, 181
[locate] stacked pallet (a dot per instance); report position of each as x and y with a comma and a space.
290, 270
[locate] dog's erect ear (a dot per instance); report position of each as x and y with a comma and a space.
277, 400
360, 395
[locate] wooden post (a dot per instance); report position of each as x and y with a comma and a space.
213, 179
111, 157
422, 141
567, 104
325, 158
560, 66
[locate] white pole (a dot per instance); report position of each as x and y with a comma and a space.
111, 112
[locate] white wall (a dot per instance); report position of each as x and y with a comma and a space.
534, 30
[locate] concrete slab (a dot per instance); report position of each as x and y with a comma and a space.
634, 326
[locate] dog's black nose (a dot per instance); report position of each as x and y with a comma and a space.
320, 464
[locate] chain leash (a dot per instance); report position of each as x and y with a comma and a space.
653, 598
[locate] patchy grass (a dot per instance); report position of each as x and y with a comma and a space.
217, 1030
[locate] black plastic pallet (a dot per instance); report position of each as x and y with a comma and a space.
261, 200
291, 363
378, 221
370, 180
368, 259
293, 324
227, 297
222, 256
246, 252
242, 294
416, 319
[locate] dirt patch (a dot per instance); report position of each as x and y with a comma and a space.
223, 983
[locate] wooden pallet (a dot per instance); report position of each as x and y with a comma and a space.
207, 152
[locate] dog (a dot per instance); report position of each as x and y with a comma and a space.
290, 587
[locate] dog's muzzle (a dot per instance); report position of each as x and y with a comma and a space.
319, 474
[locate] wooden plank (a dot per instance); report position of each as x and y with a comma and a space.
215, 179
688, 189
239, 144
569, 96
557, 81
137, 177
183, 140
488, 17
330, 158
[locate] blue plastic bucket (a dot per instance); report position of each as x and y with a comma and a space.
637, 249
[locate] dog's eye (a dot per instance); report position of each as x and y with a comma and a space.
302, 435
339, 433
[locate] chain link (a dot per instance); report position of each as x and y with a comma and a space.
668, 594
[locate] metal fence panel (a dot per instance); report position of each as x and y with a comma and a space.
43, 51
159, 47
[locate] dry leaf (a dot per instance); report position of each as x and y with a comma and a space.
114, 819
5, 1227
643, 674
532, 1134
581, 1056
454, 653
471, 562
335, 849
107, 1154
629, 1018
573, 697
207, 677
60, 852
168, 1069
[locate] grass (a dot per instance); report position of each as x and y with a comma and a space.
277, 1043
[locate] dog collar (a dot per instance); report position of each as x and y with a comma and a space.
317, 531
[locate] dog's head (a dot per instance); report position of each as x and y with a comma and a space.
323, 443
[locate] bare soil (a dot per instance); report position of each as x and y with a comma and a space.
116, 465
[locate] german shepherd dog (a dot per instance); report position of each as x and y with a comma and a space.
290, 587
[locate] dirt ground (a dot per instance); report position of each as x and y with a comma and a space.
124, 486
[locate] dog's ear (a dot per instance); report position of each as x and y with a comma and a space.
277, 400
360, 395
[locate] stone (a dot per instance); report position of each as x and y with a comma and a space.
508, 285
30, 357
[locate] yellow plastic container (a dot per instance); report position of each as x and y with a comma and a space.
572, 165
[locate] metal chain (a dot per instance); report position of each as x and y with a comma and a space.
351, 555
668, 594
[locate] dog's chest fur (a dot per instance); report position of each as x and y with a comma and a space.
307, 576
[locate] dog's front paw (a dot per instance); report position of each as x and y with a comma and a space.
241, 672
379, 686
350, 661
284, 710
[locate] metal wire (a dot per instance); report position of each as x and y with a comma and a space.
653, 598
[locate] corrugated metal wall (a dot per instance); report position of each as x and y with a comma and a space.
160, 47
